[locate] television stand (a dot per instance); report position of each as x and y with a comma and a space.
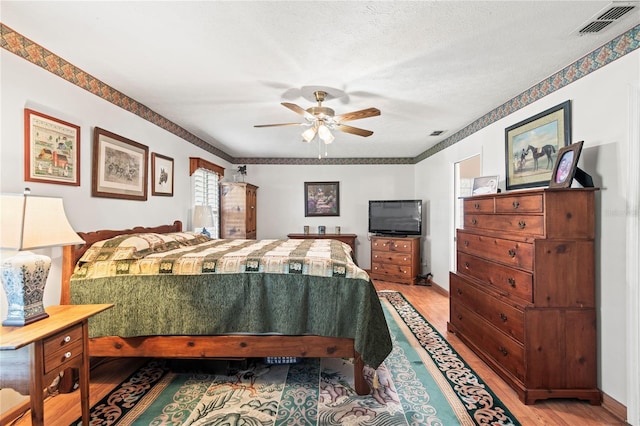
395, 258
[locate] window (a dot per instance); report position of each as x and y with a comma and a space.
204, 183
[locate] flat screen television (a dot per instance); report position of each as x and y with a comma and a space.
395, 217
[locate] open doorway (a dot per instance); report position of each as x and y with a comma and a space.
464, 170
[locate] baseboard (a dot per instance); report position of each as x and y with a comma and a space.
439, 289
614, 407
14, 413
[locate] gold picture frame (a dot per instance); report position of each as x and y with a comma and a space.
51, 149
120, 167
531, 146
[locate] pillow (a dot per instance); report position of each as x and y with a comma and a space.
137, 246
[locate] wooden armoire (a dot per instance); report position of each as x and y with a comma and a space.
523, 294
238, 210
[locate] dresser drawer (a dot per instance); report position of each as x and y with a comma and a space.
63, 347
508, 252
391, 270
506, 352
394, 245
524, 225
508, 281
506, 318
485, 205
391, 257
520, 204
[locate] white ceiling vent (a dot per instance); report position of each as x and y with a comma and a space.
606, 17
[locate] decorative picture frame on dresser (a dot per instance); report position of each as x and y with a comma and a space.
120, 167
161, 175
51, 149
566, 165
485, 185
531, 147
321, 199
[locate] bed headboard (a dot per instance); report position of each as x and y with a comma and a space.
71, 254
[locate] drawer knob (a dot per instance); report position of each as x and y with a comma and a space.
522, 224
512, 282
503, 317
466, 265
474, 221
503, 351
476, 206
67, 355
459, 291
459, 317
516, 204
466, 243
405, 258
67, 339
512, 253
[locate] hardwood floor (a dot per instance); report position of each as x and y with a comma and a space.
62, 409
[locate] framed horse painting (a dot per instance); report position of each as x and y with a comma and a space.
532, 145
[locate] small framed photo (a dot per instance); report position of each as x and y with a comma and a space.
321, 199
485, 185
566, 165
161, 175
322, 229
51, 150
120, 167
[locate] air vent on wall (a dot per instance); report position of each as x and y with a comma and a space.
605, 18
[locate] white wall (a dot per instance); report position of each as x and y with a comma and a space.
281, 198
600, 117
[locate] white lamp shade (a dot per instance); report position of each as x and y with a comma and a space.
202, 216
325, 134
309, 134
31, 222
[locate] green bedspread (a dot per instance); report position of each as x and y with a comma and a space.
338, 301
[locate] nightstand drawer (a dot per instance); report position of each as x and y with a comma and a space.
56, 360
62, 347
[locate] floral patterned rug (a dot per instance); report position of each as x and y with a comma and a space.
422, 382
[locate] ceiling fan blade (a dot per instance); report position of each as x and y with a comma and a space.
299, 110
356, 115
353, 130
281, 124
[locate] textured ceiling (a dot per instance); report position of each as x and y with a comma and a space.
217, 68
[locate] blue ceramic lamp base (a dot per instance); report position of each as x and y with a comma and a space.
24, 277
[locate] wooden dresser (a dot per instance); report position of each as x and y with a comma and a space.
238, 210
523, 295
395, 259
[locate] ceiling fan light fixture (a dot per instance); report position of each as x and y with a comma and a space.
309, 134
325, 134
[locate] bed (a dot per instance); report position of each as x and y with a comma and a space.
179, 295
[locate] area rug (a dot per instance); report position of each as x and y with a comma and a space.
424, 381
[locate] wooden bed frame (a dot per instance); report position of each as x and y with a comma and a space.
221, 346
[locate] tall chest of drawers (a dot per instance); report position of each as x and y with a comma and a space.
523, 294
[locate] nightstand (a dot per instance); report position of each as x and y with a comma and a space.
32, 356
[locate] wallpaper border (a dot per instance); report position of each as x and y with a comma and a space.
16, 43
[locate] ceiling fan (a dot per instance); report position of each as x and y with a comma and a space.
321, 120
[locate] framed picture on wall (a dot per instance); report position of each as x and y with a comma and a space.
321, 199
120, 167
161, 175
51, 149
531, 146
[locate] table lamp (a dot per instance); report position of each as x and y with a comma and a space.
30, 222
203, 217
